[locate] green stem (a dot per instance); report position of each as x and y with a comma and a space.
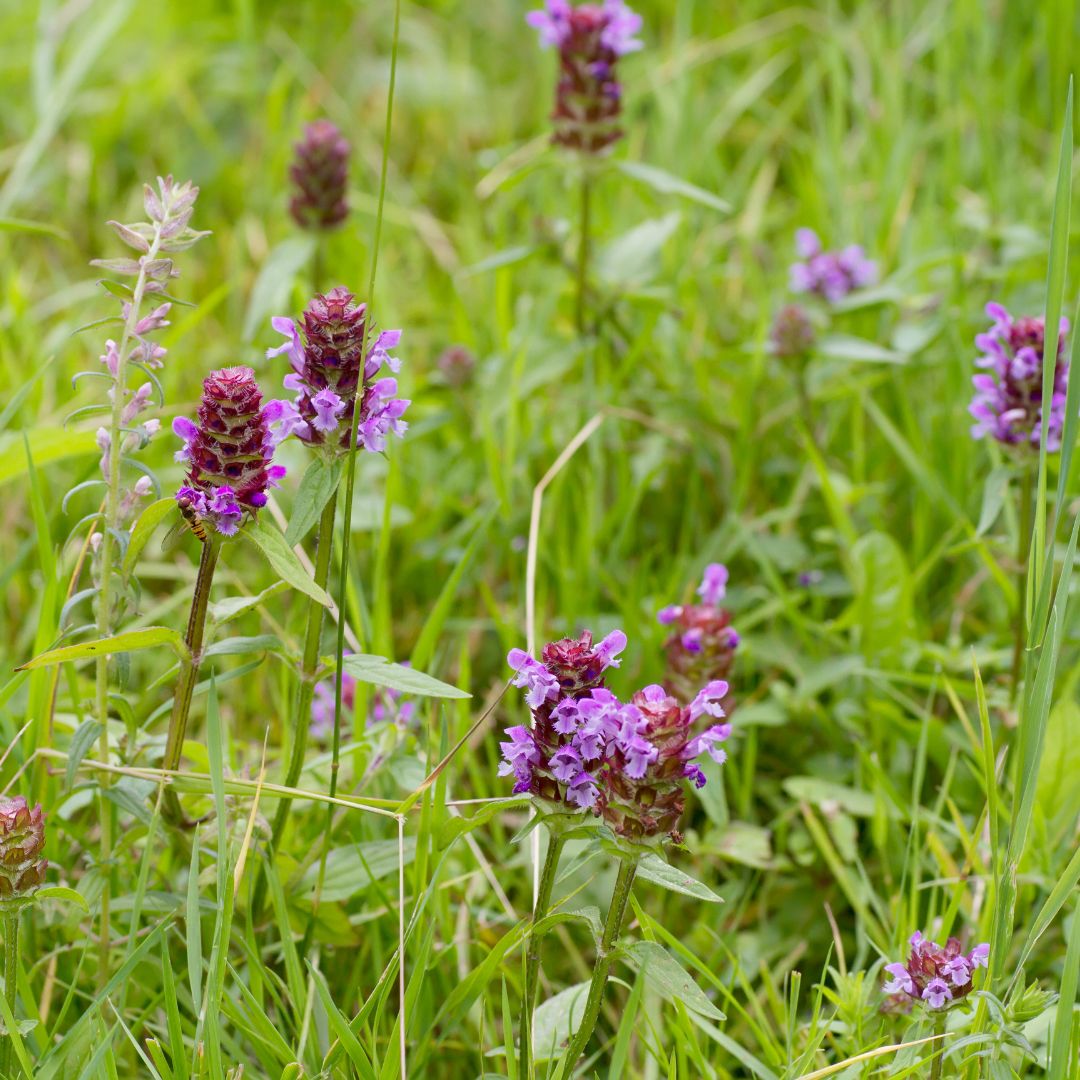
532, 955
189, 670
350, 484
1023, 541
581, 312
11, 975
309, 668
105, 572
620, 897
936, 1048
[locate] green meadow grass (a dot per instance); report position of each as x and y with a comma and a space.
881, 778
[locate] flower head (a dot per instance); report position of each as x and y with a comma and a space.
1008, 403
329, 375
701, 646
386, 705
320, 176
22, 840
229, 451
590, 39
792, 334
829, 274
935, 976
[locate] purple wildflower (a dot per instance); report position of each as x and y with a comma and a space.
935, 976
829, 274
22, 841
1008, 403
329, 377
590, 39
792, 334
228, 451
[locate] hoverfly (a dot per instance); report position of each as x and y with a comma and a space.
189, 521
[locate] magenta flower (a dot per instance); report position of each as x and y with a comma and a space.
701, 647
1008, 403
829, 274
229, 451
590, 39
329, 376
934, 976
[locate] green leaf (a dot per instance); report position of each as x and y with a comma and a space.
847, 347
148, 521
353, 868
653, 868
270, 294
59, 892
556, 1020
34, 228
670, 979
1056, 791
379, 671
994, 491
86, 734
667, 184
820, 793
232, 607
240, 646
130, 641
316, 488
282, 559
46, 445
883, 594
634, 257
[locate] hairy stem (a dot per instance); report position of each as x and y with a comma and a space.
620, 897
1023, 540
581, 311
189, 670
309, 667
532, 955
11, 974
350, 484
105, 572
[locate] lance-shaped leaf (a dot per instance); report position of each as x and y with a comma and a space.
131, 641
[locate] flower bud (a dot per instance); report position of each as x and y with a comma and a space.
22, 840
320, 173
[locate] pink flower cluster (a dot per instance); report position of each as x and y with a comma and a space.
936, 977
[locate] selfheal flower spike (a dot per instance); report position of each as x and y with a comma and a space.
829, 274
590, 39
329, 376
935, 976
1008, 404
22, 840
320, 174
701, 646
229, 451
792, 334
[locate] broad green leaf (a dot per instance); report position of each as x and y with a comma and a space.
813, 789
670, 979
47, 445
240, 646
1057, 790
319, 483
379, 671
232, 607
994, 491
666, 184
86, 734
148, 521
353, 868
130, 641
59, 892
556, 1020
634, 257
273, 547
270, 293
653, 868
883, 594
847, 347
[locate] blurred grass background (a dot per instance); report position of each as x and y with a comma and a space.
926, 132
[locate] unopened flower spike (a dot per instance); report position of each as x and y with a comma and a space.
331, 380
320, 176
829, 274
22, 841
590, 39
228, 450
935, 977
1008, 403
701, 646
